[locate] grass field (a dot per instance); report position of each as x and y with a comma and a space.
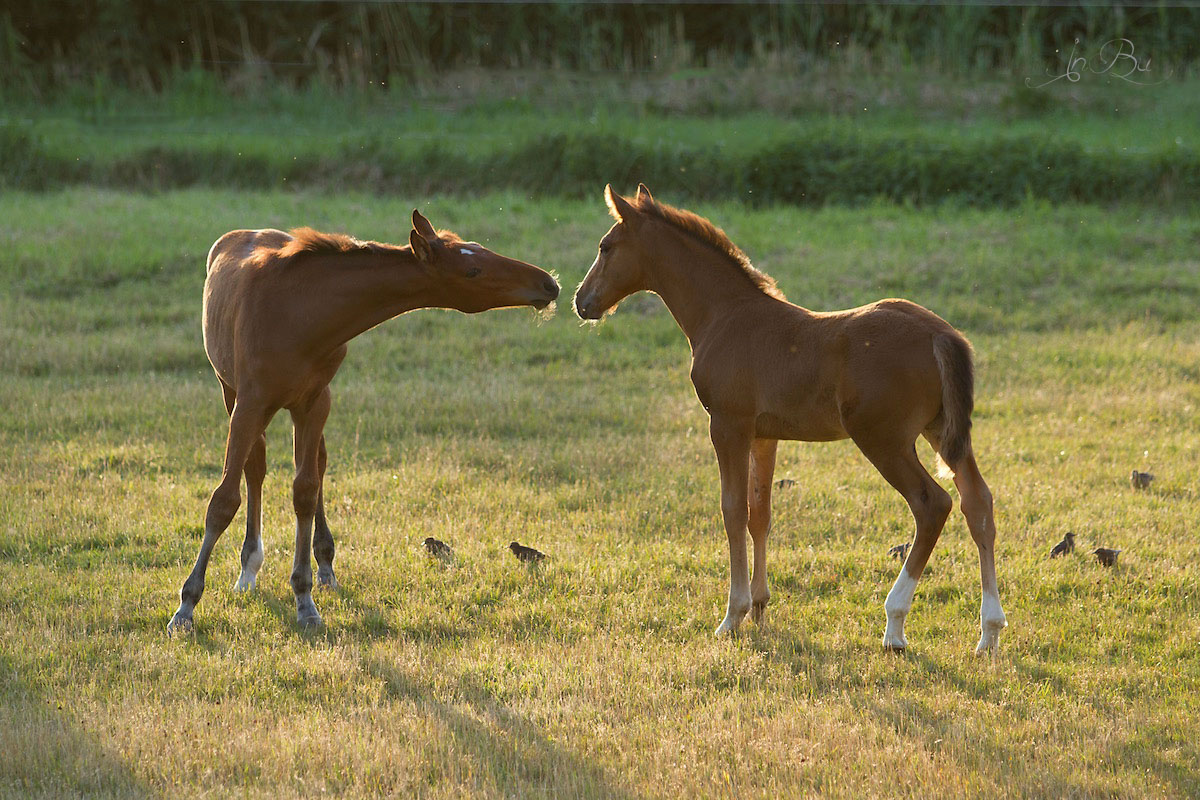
766, 137
596, 676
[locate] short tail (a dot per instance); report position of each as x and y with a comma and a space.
953, 354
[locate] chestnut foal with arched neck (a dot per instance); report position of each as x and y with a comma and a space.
766, 370
279, 309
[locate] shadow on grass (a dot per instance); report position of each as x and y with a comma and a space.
1169, 756
361, 622
513, 754
45, 753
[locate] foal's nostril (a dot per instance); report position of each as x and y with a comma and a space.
551, 288
581, 310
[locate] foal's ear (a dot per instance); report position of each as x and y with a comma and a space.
619, 207
422, 226
420, 247
643, 194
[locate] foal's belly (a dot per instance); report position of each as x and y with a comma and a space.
774, 426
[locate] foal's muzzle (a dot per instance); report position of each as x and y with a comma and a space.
583, 307
550, 287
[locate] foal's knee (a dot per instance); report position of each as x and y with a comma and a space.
304, 494
736, 514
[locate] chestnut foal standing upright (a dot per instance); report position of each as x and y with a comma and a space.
766, 370
279, 309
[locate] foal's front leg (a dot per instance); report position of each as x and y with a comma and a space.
762, 470
731, 439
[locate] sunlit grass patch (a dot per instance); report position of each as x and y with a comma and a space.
596, 674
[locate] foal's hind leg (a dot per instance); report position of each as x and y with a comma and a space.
255, 471
252, 547
322, 537
930, 505
246, 424
762, 470
308, 423
981, 521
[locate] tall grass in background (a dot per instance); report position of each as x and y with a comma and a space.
44, 49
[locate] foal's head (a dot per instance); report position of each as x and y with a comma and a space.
618, 270
470, 278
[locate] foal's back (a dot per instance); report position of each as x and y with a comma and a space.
803, 373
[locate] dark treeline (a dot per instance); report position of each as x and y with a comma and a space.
144, 44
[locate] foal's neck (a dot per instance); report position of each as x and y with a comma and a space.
349, 293
698, 285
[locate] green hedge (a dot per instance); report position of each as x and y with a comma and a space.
824, 168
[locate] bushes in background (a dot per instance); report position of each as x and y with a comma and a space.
818, 169
50, 46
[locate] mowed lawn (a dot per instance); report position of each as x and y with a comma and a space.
596, 675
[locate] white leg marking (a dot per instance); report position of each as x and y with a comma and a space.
735, 611
897, 605
991, 622
249, 576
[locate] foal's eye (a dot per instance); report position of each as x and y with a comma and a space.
473, 271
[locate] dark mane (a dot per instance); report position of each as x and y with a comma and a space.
701, 229
309, 241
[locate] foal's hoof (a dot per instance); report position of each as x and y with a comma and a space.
326, 579
310, 621
989, 641
306, 613
245, 583
894, 644
181, 625
758, 611
730, 624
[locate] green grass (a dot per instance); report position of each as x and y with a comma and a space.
596, 676
489, 112
768, 136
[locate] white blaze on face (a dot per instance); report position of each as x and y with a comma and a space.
466, 252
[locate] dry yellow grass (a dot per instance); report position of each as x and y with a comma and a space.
597, 675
